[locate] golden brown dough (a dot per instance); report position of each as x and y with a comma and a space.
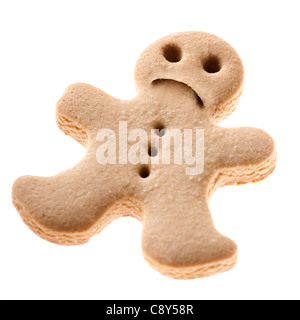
186, 80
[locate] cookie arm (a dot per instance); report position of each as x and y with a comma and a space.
245, 155
80, 109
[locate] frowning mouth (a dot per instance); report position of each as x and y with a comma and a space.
164, 81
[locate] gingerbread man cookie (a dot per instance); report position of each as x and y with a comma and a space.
186, 83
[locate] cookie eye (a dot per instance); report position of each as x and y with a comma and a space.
172, 53
212, 64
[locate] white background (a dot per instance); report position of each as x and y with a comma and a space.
47, 45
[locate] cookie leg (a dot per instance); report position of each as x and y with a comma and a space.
66, 209
180, 241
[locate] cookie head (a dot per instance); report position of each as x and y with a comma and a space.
203, 62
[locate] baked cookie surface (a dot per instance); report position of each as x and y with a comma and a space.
185, 81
